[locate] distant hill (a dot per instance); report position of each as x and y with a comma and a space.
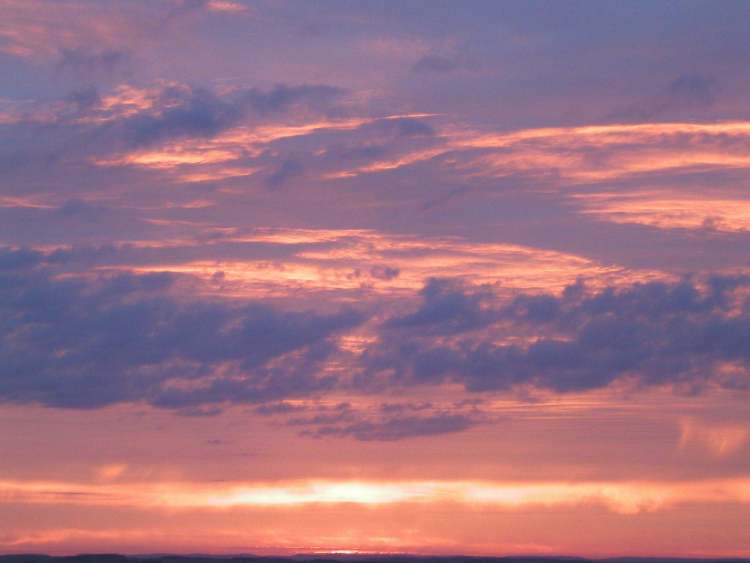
335, 558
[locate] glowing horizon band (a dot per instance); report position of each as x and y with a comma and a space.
627, 497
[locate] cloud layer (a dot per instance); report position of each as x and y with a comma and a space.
89, 341
469, 256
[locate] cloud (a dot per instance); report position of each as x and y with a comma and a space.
720, 440
398, 427
394, 421
688, 92
90, 342
226, 6
434, 63
86, 341
621, 497
384, 272
181, 111
693, 90
185, 111
397, 127
84, 98
446, 308
81, 209
288, 169
88, 125
687, 334
283, 97
18, 258
445, 63
85, 63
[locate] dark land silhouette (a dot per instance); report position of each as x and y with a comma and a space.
337, 558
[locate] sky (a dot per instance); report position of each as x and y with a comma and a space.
418, 276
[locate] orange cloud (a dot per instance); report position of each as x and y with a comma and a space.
191, 158
669, 210
721, 440
226, 6
32, 29
620, 150
345, 263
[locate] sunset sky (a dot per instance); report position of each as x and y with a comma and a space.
382, 276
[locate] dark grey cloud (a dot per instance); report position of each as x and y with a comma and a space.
283, 97
184, 111
84, 98
285, 171
395, 421
374, 141
398, 127
687, 93
80, 209
278, 408
85, 343
440, 64
397, 427
384, 272
435, 63
693, 90
181, 112
18, 258
333, 150
82, 128
683, 334
88, 64
446, 308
